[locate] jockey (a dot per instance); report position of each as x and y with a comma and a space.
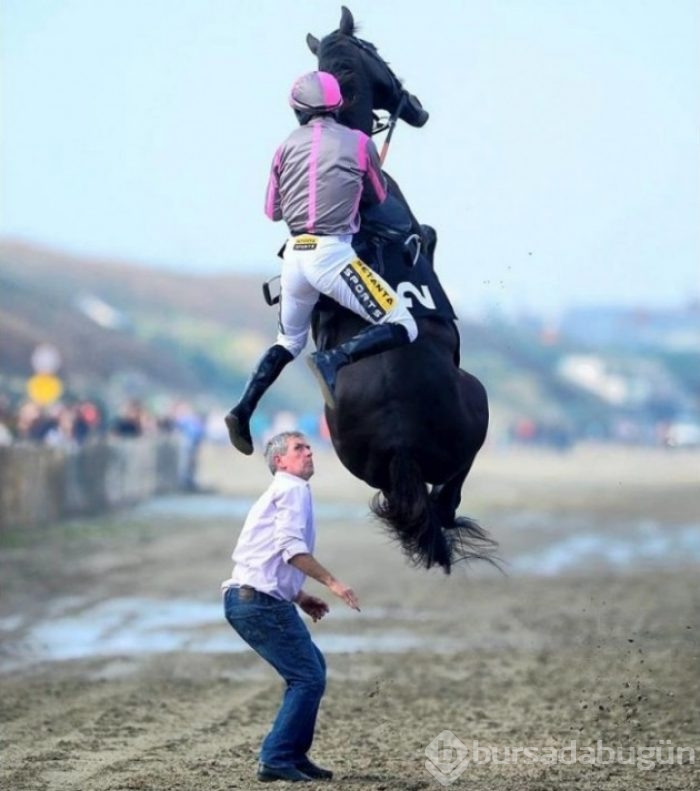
320, 175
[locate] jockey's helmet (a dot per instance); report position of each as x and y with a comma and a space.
314, 93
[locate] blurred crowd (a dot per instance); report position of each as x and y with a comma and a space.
58, 424
71, 425
74, 423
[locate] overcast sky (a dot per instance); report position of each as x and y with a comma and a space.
561, 164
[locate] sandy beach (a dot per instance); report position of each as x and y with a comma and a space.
577, 668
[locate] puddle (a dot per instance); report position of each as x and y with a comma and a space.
128, 627
576, 547
645, 544
221, 507
10, 623
135, 626
122, 626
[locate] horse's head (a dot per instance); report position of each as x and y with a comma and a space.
366, 81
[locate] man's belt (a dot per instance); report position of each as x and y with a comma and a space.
248, 593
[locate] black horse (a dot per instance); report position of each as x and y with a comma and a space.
407, 419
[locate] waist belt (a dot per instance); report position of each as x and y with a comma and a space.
343, 237
248, 593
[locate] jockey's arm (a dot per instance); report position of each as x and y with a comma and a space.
273, 208
374, 188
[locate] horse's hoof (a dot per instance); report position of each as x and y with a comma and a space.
235, 433
326, 390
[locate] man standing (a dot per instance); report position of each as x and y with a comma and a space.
272, 558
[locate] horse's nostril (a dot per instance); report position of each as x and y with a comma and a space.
418, 118
413, 112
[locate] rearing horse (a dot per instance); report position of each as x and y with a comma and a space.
407, 419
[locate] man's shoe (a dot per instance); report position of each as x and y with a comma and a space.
290, 774
239, 432
315, 772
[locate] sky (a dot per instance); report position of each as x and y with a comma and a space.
560, 165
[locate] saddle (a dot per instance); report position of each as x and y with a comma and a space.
405, 262
391, 242
401, 251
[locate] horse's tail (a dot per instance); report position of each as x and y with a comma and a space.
414, 521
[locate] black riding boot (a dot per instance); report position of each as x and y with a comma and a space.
369, 341
266, 371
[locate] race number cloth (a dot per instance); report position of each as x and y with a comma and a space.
418, 284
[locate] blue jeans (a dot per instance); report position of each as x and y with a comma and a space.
275, 631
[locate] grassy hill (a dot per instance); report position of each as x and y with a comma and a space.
124, 329
118, 326
172, 333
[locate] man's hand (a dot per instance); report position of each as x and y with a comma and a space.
312, 606
307, 563
342, 591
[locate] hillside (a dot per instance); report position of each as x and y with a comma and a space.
112, 320
124, 329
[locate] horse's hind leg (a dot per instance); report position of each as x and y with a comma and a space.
447, 496
467, 540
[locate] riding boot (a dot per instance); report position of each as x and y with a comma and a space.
371, 340
266, 371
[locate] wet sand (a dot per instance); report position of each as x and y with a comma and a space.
593, 635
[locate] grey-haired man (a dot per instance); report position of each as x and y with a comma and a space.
272, 558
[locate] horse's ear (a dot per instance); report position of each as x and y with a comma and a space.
347, 23
313, 43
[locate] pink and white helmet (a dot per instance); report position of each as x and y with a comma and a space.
317, 91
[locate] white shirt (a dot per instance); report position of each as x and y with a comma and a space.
279, 526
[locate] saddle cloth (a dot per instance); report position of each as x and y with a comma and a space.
417, 283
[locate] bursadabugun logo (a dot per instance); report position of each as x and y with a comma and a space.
447, 757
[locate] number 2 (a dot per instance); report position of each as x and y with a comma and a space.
423, 296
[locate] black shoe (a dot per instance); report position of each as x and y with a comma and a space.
239, 432
268, 774
371, 340
315, 772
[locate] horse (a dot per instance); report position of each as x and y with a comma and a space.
409, 422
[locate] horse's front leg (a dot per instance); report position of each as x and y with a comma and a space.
475, 416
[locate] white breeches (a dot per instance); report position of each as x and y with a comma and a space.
328, 265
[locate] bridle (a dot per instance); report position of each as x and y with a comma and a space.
381, 124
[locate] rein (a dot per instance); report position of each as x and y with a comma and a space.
391, 125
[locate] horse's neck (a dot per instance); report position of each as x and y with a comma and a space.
357, 118
363, 120
395, 190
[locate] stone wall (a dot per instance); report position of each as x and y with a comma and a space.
41, 484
